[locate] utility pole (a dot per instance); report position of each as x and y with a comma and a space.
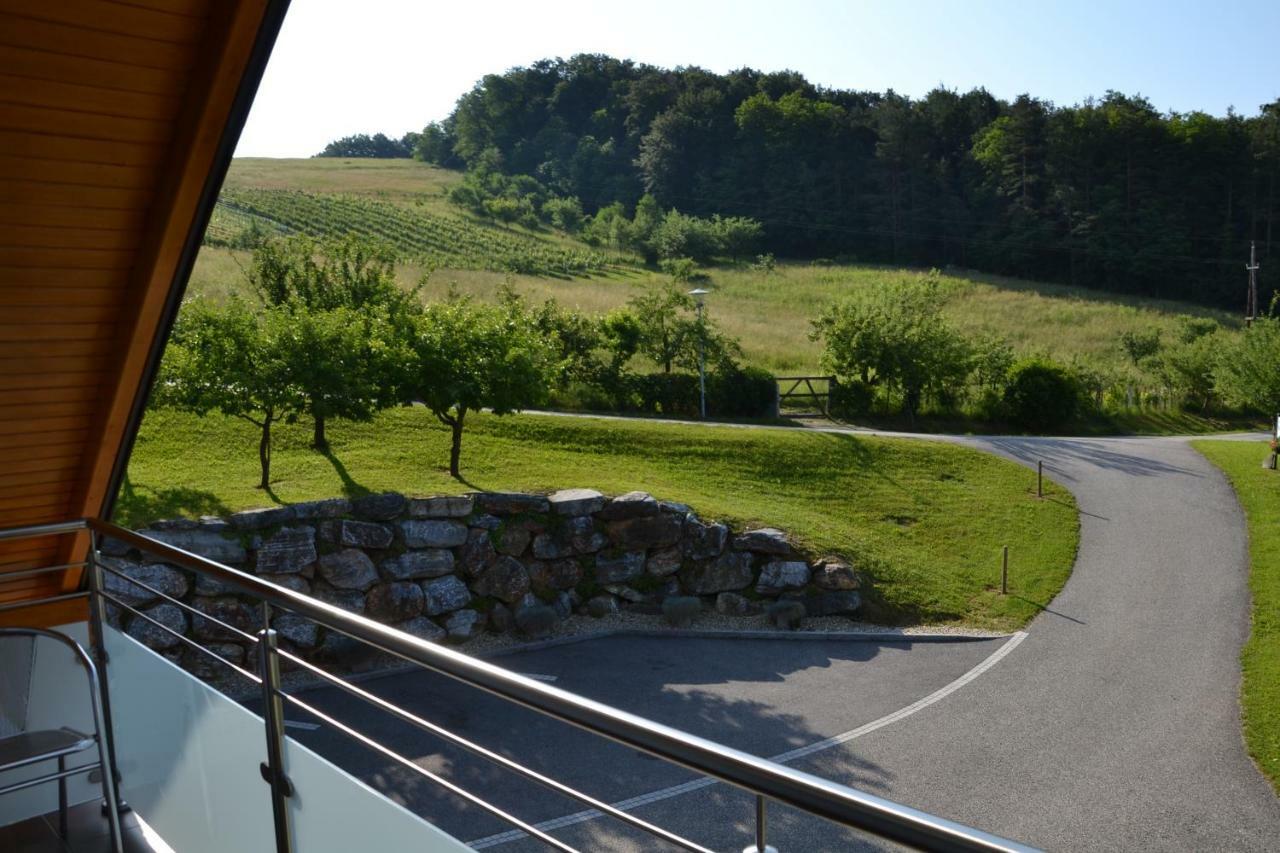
1251, 310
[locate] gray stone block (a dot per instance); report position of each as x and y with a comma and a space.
619, 568
153, 637
260, 519
664, 562
289, 550
444, 506
786, 614
445, 595
415, 565
630, 505
462, 625
511, 503
729, 572
348, 569
433, 533
834, 575
394, 602
681, 610
780, 575
165, 579
211, 546
383, 507
575, 501
764, 540
422, 628
507, 579
656, 531
364, 534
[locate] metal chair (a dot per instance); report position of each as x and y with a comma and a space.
32, 747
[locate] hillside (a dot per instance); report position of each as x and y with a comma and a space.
769, 312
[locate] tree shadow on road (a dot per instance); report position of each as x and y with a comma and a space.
1059, 454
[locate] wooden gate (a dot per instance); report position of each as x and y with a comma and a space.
802, 388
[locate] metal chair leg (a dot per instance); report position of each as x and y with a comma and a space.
62, 798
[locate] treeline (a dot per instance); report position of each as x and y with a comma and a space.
1111, 193
378, 146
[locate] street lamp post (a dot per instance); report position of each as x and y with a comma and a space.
699, 294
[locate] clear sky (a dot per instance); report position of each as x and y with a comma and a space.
363, 66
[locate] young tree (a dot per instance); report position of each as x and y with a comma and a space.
896, 339
349, 322
670, 333
235, 359
469, 356
1248, 373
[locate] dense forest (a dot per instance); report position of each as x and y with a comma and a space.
1110, 193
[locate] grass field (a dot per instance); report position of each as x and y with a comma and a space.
1259, 494
924, 521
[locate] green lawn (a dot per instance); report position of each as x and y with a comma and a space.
924, 521
1259, 494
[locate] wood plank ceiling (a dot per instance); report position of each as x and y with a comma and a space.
116, 120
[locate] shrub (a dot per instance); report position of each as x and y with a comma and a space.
850, 399
747, 392
1041, 394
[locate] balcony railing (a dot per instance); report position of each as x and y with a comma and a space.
769, 782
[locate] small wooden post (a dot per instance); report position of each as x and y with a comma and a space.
1004, 572
1040, 479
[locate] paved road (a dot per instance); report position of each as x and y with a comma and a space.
1114, 725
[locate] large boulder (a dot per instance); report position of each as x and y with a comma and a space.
261, 519
298, 630
582, 535
704, 541
831, 603
537, 621
382, 507
364, 534
764, 540
778, 576
445, 506
394, 602
158, 576
546, 577
415, 565
422, 628
211, 546
619, 568
478, 553
433, 533
511, 503
733, 604
602, 605
289, 550
462, 625
630, 505
835, 575
321, 510
349, 568
729, 572
512, 539
655, 531
664, 562
229, 610
350, 600
171, 616
507, 579
445, 595
547, 546
575, 501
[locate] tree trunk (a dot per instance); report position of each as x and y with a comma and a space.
318, 439
455, 450
264, 453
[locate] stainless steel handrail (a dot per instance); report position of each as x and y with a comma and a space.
804, 791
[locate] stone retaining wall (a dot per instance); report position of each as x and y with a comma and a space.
446, 568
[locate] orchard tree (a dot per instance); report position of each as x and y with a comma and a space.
669, 332
896, 339
468, 356
1248, 373
350, 320
236, 359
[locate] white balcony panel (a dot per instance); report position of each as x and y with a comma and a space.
189, 757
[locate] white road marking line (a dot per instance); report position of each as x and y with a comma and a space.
782, 758
538, 677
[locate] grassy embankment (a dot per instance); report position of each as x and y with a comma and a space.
769, 313
925, 521
1259, 493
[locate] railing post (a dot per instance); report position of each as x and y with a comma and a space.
273, 717
98, 650
761, 845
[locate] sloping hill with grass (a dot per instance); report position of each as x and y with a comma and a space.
925, 521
